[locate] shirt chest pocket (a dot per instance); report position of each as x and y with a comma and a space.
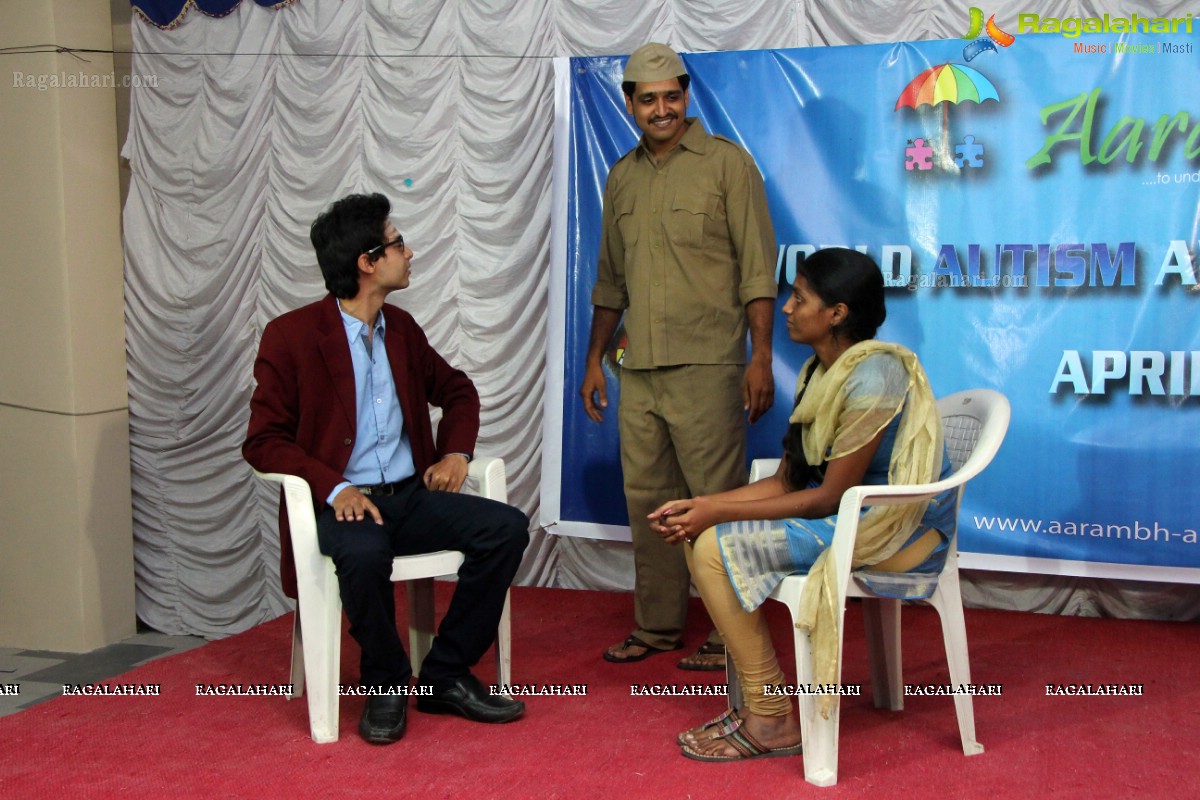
696, 219
626, 221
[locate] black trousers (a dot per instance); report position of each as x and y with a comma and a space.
492, 537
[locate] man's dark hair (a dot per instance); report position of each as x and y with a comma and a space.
628, 86
343, 232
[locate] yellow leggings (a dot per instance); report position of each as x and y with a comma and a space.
747, 640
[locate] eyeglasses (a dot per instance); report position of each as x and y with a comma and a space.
378, 250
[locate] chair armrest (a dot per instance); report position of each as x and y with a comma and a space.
298, 498
314, 572
488, 473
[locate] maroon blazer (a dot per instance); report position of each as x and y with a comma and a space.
302, 413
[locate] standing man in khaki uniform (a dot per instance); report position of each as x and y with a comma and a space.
687, 249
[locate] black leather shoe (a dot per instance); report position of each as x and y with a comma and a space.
471, 699
384, 719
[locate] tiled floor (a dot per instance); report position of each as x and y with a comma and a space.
42, 673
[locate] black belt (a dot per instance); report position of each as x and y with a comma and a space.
386, 488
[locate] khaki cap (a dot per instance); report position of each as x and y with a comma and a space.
653, 62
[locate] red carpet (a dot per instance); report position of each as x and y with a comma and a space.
611, 744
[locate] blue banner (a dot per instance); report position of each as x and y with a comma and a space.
1034, 209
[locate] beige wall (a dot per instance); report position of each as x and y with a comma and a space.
66, 572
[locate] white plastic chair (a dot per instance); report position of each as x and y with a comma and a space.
975, 422
317, 632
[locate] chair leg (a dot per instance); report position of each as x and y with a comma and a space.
420, 621
321, 641
504, 645
947, 599
297, 674
820, 735
733, 686
881, 618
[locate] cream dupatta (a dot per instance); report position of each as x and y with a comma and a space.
835, 426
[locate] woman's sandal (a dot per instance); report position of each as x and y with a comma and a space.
729, 716
705, 659
745, 745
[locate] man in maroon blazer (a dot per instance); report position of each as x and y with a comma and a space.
344, 386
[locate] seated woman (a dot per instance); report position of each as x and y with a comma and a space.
864, 415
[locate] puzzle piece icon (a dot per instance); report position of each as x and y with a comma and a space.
968, 154
920, 155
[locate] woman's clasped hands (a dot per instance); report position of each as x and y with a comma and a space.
683, 520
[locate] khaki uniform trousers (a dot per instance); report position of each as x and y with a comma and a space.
683, 433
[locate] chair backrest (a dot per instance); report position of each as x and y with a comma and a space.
962, 433
979, 415
974, 422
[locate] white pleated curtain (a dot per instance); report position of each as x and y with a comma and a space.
258, 121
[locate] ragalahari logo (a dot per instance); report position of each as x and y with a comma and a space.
994, 37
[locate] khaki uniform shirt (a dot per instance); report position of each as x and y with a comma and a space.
685, 245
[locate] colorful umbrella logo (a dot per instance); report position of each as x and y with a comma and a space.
945, 84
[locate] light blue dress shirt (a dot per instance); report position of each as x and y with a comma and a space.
382, 452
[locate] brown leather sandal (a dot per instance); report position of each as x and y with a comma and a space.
633, 641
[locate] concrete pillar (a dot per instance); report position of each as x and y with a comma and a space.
66, 545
